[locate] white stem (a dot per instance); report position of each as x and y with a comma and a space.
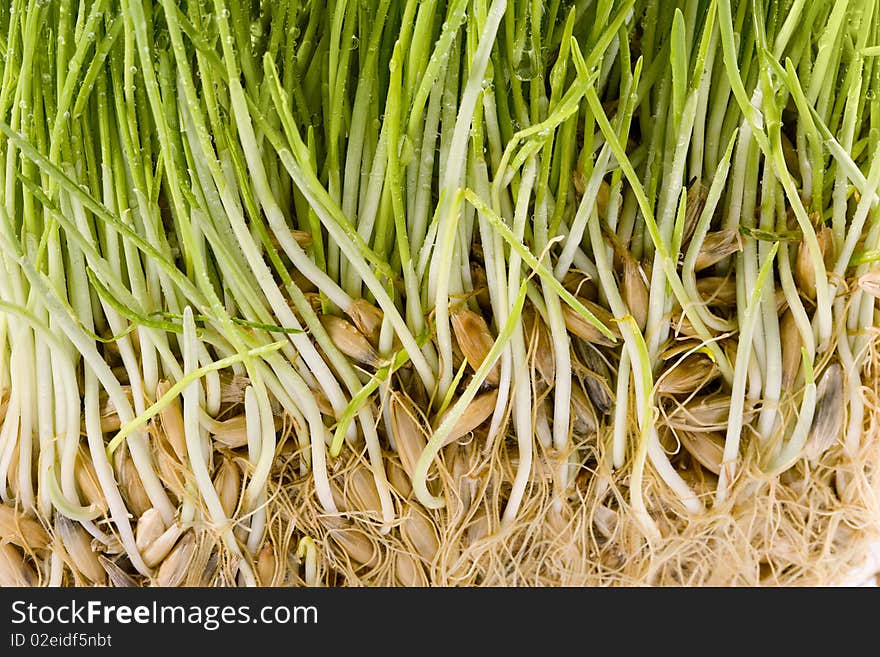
621, 411
194, 446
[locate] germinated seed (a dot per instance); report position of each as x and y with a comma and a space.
177, 564
21, 530
477, 412
828, 418
156, 551
474, 339
350, 341
78, 546
14, 570
150, 527
419, 532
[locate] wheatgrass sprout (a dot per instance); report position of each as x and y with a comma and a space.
454, 293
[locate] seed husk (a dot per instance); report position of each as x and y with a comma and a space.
206, 564
227, 482
170, 471
14, 570
683, 327
688, 375
171, 419
478, 528
323, 402
79, 548
109, 417
232, 388
583, 415
458, 464
266, 564
110, 545
634, 290
302, 237
584, 329
419, 532
314, 300
474, 339
828, 418
717, 291
707, 447
132, 487
677, 348
804, 273
352, 540
87, 480
477, 412
156, 551
177, 564
791, 341
595, 376
210, 571
231, 432
398, 478
150, 527
12, 476
409, 435
367, 319
350, 341
716, 247
408, 571
21, 530
117, 577
538, 337
706, 413
605, 520
696, 199
580, 285
363, 491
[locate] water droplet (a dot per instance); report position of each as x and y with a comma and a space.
133, 70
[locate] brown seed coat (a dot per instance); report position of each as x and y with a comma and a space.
474, 339
78, 546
